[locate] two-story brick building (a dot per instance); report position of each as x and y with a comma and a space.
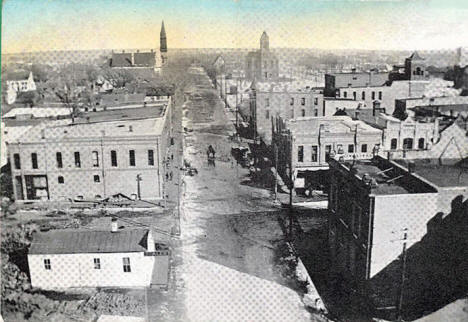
309, 143
377, 206
94, 158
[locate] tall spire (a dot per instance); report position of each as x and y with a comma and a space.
162, 39
264, 42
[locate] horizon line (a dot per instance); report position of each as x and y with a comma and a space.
234, 48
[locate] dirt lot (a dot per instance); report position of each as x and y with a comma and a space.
21, 302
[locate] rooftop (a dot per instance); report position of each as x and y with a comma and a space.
38, 112
331, 124
441, 175
287, 87
386, 177
66, 130
65, 241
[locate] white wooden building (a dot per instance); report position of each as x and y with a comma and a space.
85, 258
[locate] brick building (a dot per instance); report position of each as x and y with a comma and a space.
262, 64
283, 99
93, 158
377, 205
312, 142
405, 81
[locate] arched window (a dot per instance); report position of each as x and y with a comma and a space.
95, 156
408, 143
393, 144
421, 144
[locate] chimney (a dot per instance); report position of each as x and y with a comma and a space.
150, 247
114, 225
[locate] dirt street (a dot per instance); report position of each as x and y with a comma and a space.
229, 264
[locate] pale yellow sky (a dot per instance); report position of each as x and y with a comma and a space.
29, 25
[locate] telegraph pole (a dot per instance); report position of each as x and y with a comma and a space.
138, 179
276, 173
291, 178
403, 275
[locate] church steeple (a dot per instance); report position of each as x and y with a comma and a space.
162, 39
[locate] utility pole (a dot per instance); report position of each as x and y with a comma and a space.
403, 275
237, 105
276, 173
291, 178
138, 179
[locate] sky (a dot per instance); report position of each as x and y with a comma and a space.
39, 25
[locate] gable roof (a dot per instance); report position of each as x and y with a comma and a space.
66, 241
415, 56
18, 75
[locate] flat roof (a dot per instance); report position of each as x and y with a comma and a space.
65, 129
78, 241
38, 111
332, 124
122, 114
374, 170
443, 176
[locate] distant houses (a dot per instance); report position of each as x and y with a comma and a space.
19, 82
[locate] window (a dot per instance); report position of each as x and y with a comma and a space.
47, 265
77, 160
266, 75
267, 114
316, 113
34, 160
364, 148
351, 148
316, 101
131, 155
421, 144
408, 143
150, 157
267, 102
314, 153
113, 158
97, 263
303, 101
126, 265
354, 95
393, 144
97, 178
303, 112
373, 95
60, 180
300, 153
345, 94
380, 95
327, 152
16, 160
95, 156
292, 101
58, 157
292, 113
363, 95
339, 148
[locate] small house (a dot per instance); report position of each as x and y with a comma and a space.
88, 258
